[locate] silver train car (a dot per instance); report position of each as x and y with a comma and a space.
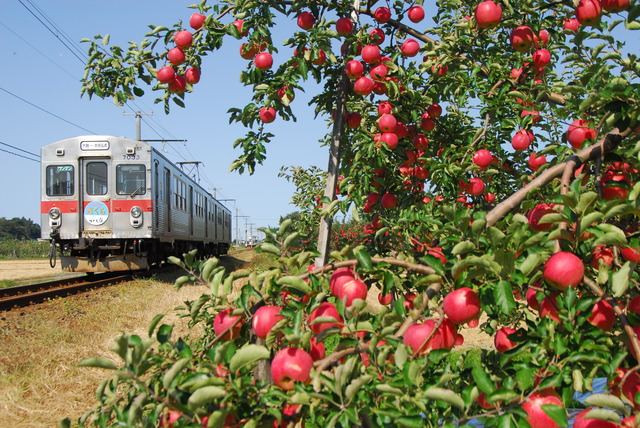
112, 204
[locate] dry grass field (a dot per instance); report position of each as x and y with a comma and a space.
41, 345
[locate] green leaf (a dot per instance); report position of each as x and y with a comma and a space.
268, 247
605, 400
296, 283
364, 258
352, 389
620, 280
503, 294
483, 380
446, 395
171, 374
206, 394
176, 261
557, 413
530, 263
463, 247
154, 323
98, 362
388, 389
248, 354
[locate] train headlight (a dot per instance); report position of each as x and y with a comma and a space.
136, 212
54, 213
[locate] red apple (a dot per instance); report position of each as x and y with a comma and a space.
354, 120
317, 349
475, 187
578, 132
339, 277
603, 316
549, 307
615, 185
385, 107
377, 34
502, 342
370, 54
197, 20
482, 158
489, 197
192, 75
571, 25
306, 20
321, 59
178, 84
562, 270
535, 162
382, 15
264, 319
176, 56
239, 24
416, 336
427, 124
363, 86
385, 299
166, 74
389, 201
461, 305
267, 114
582, 421
351, 290
379, 72
183, 39
521, 38
263, 61
248, 50
420, 142
537, 417
588, 12
224, 320
631, 254
535, 215
410, 48
531, 297
354, 69
415, 13
344, 26
291, 365
541, 58
488, 14
603, 254
326, 309
522, 139
614, 6
387, 123
434, 110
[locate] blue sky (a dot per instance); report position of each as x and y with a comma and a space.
39, 73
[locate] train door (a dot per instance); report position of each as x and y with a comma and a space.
167, 198
156, 196
94, 197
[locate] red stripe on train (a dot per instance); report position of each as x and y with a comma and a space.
124, 205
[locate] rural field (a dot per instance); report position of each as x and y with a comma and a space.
39, 380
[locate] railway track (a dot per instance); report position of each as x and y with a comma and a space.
24, 295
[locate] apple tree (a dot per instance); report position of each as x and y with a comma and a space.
494, 156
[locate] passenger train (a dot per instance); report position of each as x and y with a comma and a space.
112, 204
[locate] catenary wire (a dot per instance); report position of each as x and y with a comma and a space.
18, 148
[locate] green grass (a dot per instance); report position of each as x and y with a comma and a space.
6, 283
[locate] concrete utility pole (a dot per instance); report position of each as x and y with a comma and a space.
334, 158
138, 116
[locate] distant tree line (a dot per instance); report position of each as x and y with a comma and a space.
19, 228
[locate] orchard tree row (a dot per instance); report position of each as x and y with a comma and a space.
492, 149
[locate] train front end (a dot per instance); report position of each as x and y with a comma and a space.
96, 204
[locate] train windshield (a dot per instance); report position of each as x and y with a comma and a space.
131, 179
96, 178
60, 180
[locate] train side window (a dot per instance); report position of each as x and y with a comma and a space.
96, 179
60, 180
130, 179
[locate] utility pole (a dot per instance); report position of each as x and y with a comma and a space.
238, 228
196, 163
138, 116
